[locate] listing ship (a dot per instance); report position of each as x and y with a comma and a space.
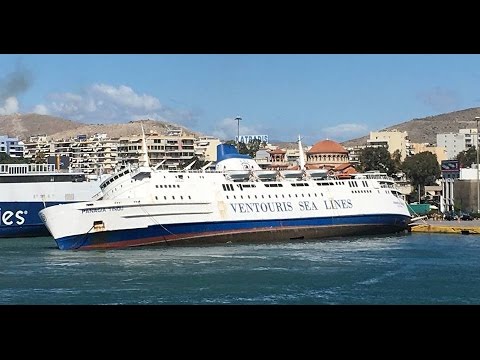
25, 189
238, 201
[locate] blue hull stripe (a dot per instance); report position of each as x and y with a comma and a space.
175, 232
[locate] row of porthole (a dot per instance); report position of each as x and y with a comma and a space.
173, 197
276, 196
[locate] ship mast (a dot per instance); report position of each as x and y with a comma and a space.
301, 160
146, 160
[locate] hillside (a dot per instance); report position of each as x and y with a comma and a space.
425, 130
123, 129
422, 130
25, 125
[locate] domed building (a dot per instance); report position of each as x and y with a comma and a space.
328, 154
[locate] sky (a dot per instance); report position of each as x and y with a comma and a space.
317, 96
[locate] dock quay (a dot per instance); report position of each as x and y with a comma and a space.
442, 226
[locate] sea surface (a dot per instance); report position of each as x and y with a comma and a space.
397, 269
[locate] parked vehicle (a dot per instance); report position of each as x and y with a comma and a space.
466, 217
450, 217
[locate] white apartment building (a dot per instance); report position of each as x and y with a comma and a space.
11, 146
455, 143
393, 140
37, 145
206, 148
170, 150
93, 155
354, 153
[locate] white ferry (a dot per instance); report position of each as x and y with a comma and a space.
236, 202
25, 189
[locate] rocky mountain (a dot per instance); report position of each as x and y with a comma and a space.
425, 130
25, 125
422, 130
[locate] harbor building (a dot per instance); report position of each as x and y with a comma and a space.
439, 151
393, 140
11, 146
170, 150
206, 148
455, 143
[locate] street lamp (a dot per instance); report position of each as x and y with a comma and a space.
478, 182
237, 119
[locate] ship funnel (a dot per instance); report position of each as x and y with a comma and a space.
227, 151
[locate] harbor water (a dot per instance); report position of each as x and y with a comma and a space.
395, 269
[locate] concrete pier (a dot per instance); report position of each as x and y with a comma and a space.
442, 226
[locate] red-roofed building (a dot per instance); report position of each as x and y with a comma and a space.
277, 155
328, 154
277, 158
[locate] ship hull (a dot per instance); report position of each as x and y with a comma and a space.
22, 197
237, 231
21, 219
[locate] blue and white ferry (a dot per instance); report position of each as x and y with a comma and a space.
237, 201
25, 189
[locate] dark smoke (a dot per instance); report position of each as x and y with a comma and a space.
15, 83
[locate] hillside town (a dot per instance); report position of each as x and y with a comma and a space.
101, 154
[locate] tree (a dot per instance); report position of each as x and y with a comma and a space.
40, 157
397, 159
467, 158
422, 169
376, 158
4, 158
7, 159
